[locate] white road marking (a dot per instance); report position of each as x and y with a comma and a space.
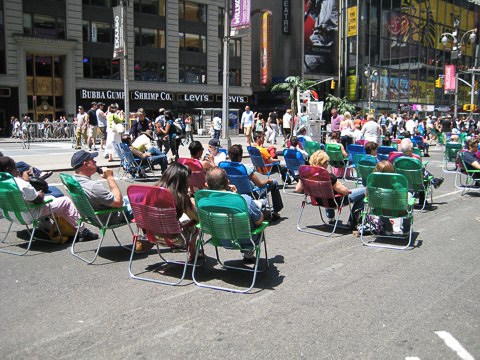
447, 194
412, 358
453, 344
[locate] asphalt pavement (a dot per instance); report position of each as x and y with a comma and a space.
322, 298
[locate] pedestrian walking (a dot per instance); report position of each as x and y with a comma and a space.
287, 127
246, 124
92, 127
217, 126
188, 130
81, 130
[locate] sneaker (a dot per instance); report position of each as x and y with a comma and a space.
331, 221
437, 182
94, 148
87, 235
45, 174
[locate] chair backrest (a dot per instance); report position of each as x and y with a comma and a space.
361, 142
256, 157
387, 194
317, 184
311, 146
384, 151
365, 164
419, 140
222, 150
238, 176
224, 216
412, 169
451, 150
354, 149
293, 159
196, 180
334, 152
417, 152
80, 199
460, 161
441, 139
119, 151
301, 142
12, 203
154, 210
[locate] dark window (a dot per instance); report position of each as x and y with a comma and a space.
234, 77
44, 26
43, 66
103, 3
235, 47
94, 31
193, 12
149, 71
192, 42
101, 68
155, 7
193, 74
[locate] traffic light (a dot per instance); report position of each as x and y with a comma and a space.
470, 107
438, 83
332, 84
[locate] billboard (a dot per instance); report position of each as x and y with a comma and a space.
118, 40
352, 21
449, 83
320, 37
266, 49
240, 14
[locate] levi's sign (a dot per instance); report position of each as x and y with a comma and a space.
195, 97
237, 99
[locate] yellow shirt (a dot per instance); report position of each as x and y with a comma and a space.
142, 143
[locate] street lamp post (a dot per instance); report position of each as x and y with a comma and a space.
457, 49
370, 73
226, 73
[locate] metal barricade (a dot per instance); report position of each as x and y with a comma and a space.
46, 132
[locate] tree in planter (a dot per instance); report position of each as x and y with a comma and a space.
293, 84
341, 104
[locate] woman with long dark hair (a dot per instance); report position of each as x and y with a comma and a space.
175, 180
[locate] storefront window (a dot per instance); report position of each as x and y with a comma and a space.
193, 74
193, 12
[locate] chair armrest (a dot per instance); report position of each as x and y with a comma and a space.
259, 229
365, 200
411, 201
112, 210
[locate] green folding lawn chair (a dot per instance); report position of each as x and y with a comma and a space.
417, 152
90, 216
224, 216
441, 139
364, 164
450, 156
387, 196
466, 179
413, 171
15, 209
311, 147
337, 160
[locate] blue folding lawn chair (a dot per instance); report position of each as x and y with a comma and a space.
293, 160
384, 151
353, 150
257, 161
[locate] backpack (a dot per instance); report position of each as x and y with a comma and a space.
179, 129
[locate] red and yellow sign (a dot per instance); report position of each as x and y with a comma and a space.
266, 49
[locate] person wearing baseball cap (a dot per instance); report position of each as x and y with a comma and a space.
60, 206
213, 157
141, 125
99, 197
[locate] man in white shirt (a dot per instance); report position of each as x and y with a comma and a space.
214, 156
287, 126
217, 126
61, 207
410, 126
247, 124
102, 124
371, 130
82, 124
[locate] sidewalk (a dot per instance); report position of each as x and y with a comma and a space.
55, 156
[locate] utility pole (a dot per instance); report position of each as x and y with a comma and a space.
124, 4
226, 72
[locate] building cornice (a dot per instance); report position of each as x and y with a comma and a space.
46, 43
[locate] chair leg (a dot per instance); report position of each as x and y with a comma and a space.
72, 249
387, 246
254, 270
28, 246
133, 276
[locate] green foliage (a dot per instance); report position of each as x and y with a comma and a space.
293, 84
341, 104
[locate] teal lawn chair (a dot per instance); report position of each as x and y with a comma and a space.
364, 164
99, 219
413, 171
466, 179
15, 209
224, 216
387, 196
417, 152
311, 147
337, 160
450, 156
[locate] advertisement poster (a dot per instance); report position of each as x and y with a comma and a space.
352, 87
352, 21
449, 83
393, 88
383, 87
320, 36
266, 49
240, 14
403, 90
118, 41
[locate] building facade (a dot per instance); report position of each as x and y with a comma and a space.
401, 40
58, 54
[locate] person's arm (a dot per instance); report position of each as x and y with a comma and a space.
40, 197
345, 154
260, 183
340, 188
476, 165
117, 194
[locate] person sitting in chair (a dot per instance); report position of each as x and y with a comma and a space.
355, 196
217, 179
259, 139
196, 150
142, 149
235, 152
214, 156
471, 160
99, 197
61, 207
